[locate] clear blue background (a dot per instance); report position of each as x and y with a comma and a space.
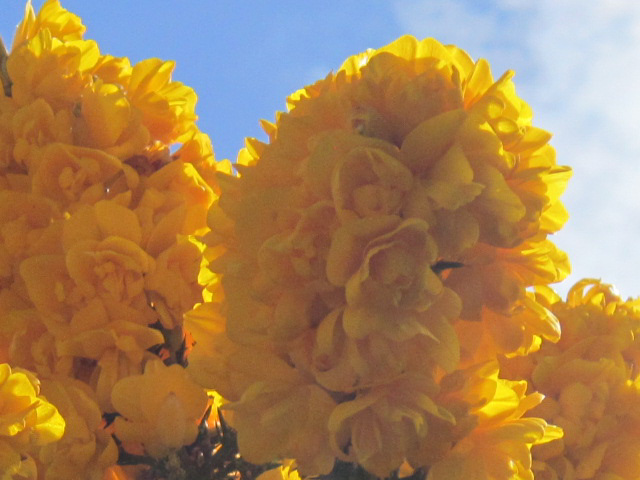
577, 64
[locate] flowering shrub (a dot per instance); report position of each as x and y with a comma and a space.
398, 201
365, 296
105, 181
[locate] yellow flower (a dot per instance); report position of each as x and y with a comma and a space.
174, 202
175, 278
591, 384
498, 333
50, 68
108, 121
27, 420
286, 471
61, 23
34, 126
70, 174
159, 409
285, 418
404, 191
499, 445
114, 268
381, 426
26, 228
168, 107
110, 349
384, 265
86, 450
103, 260
342, 363
198, 151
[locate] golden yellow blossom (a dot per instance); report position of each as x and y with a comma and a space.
498, 447
591, 385
397, 200
175, 278
160, 409
286, 471
27, 421
286, 417
168, 107
59, 22
380, 427
86, 450
64, 172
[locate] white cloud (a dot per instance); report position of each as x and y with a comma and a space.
578, 66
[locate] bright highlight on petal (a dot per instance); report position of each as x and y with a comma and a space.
27, 420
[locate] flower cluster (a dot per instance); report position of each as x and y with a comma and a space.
105, 181
591, 384
400, 203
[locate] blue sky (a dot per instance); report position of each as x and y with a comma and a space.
576, 63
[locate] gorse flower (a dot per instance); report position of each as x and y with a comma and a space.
159, 409
591, 385
398, 200
27, 421
87, 448
493, 442
105, 181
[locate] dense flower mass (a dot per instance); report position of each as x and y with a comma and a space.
591, 385
368, 293
401, 202
105, 181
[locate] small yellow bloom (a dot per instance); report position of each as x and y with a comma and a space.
381, 426
394, 280
71, 174
285, 418
159, 409
499, 445
168, 107
175, 278
287, 471
113, 269
36, 125
107, 114
27, 420
175, 202
52, 17
86, 450
27, 227
49, 68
